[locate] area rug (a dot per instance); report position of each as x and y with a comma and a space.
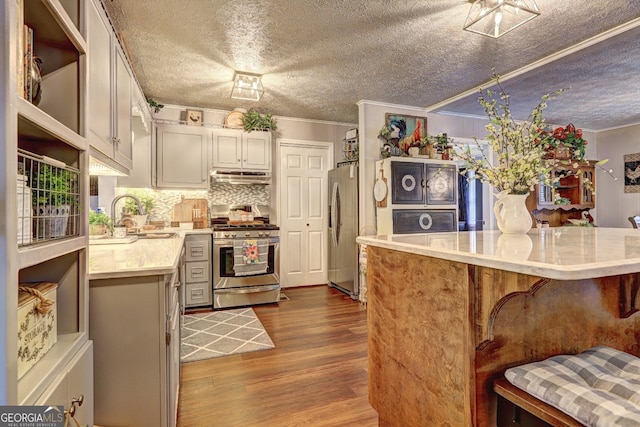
222, 333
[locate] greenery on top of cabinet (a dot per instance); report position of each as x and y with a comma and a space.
253, 120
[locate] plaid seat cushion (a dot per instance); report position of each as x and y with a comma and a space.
599, 387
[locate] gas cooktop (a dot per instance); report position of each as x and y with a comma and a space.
242, 226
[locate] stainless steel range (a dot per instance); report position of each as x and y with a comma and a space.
246, 263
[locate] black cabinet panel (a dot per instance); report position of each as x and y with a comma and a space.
407, 221
423, 184
407, 183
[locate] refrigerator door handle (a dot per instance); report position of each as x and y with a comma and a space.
333, 215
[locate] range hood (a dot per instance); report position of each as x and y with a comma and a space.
239, 177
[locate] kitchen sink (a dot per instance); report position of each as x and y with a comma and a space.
156, 235
108, 240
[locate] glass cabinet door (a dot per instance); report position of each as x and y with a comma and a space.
441, 184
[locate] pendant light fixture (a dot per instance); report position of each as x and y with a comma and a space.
494, 18
247, 86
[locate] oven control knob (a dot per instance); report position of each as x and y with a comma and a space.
260, 233
247, 234
226, 235
233, 234
267, 234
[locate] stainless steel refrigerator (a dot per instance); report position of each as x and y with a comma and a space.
343, 229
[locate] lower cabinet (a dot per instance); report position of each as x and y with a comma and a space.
73, 388
198, 270
135, 326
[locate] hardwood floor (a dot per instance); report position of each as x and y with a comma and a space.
316, 375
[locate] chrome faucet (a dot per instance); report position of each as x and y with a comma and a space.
122, 196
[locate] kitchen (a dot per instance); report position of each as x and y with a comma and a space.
64, 133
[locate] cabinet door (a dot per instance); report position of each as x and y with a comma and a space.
407, 183
227, 149
256, 151
173, 367
99, 83
74, 384
182, 160
122, 111
442, 182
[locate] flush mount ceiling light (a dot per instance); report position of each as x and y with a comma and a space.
247, 86
494, 18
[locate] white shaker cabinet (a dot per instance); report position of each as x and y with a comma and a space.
135, 327
73, 388
109, 92
182, 156
245, 151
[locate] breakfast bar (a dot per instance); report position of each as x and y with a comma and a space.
449, 312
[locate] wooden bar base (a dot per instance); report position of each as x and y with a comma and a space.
441, 332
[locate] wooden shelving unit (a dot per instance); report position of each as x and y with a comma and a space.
573, 185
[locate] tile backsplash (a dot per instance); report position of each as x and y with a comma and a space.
218, 194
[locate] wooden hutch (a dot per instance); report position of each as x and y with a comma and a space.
575, 187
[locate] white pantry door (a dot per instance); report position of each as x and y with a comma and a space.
303, 214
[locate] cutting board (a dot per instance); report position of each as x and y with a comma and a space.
380, 191
183, 211
202, 206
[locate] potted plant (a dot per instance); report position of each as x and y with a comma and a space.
131, 208
254, 120
99, 223
54, 195
566, 143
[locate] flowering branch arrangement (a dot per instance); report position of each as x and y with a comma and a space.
519, 147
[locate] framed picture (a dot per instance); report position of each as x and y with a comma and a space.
194, 117
632, 173
406, 130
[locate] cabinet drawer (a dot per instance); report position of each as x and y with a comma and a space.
407, 221
198, 248
198, 272
198, 294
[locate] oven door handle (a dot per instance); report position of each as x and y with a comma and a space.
250, 290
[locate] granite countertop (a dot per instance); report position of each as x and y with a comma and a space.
144, 257
563, 253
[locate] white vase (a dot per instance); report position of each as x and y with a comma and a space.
511, 212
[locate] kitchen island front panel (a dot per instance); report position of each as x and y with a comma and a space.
448, 313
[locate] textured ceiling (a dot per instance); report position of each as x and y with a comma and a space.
319, 57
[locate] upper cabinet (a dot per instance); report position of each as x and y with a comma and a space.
109, 97
241, 151
182, 156
425, 184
